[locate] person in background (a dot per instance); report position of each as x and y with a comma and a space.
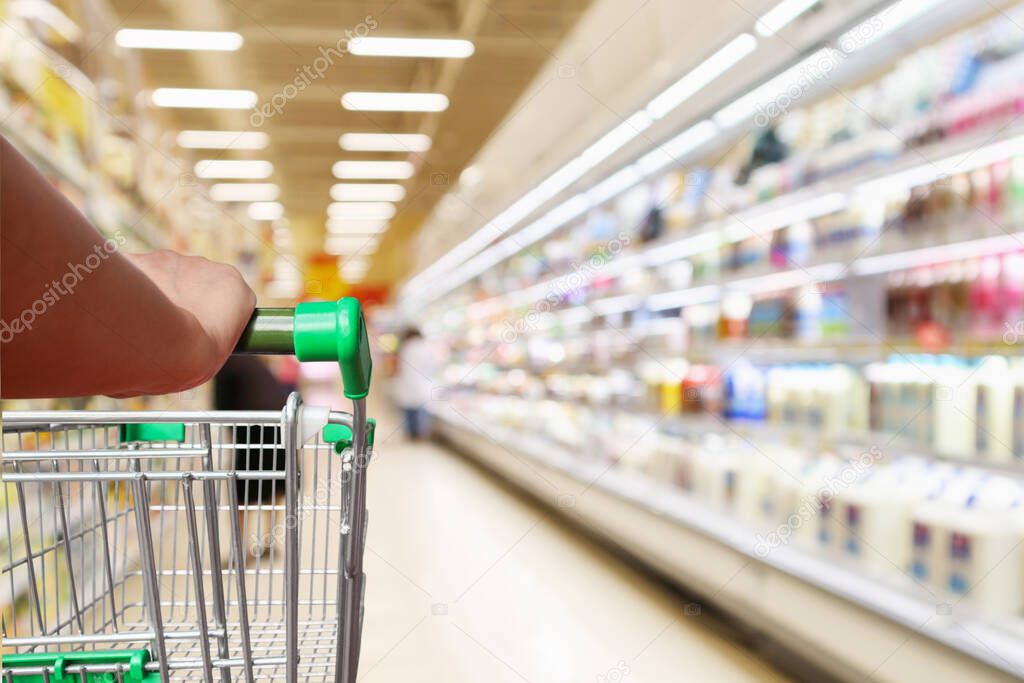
414, 381
246, 383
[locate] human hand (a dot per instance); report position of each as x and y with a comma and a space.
214, 294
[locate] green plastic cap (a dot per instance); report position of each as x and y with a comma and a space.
339, 435
336, 330
153, 431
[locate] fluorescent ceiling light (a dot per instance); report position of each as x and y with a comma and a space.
384, 142
778, 17
676, 149
471, 176
354, 267
367, 192
616, 138
222, 139
265, 211
614, 184
799, 78
244, 192
349, 245
353, 227
394, 101
374, 46
202, 98
388, 170
705, 73
883, 23
371, 210
140, 38
233, 168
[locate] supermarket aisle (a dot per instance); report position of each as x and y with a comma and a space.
469, 583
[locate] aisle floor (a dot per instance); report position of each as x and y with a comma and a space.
469, 582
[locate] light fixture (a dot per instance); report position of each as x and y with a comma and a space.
703, 74
265, 211
233, 168
354, 267
380, 46
203, 98
341, 245
675, 149
882, 24
155, 39
778, 17
387, 170
471, 176
384, 142
798, 78
244, 192
620, 181
222, 139
356, 226
394, 101
367, 192
616, 138
370, 210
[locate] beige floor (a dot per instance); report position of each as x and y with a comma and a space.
470, 583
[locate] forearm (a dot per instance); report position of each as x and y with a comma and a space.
78, 317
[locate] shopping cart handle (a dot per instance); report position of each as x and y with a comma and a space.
316, 331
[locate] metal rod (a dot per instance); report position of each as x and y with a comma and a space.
239, 554
269, 331
91, 418
66, 543
145, 534
290, 438
213, 533
108, 573
131, 476
197, 578
350, 622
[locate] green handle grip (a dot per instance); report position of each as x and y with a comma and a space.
316, 331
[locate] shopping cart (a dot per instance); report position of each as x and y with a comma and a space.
153, 546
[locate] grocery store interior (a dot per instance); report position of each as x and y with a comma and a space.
695, 328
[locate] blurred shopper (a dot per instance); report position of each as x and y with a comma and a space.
79, 317
246, 383
414, 382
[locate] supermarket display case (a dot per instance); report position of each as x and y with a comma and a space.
791, 356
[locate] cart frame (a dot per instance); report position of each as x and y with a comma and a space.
217, 629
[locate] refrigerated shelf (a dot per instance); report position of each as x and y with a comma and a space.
852, 625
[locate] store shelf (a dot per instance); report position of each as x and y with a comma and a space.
853, 625
914, 166
38, 149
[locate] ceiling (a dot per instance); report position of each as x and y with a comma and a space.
513, 39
